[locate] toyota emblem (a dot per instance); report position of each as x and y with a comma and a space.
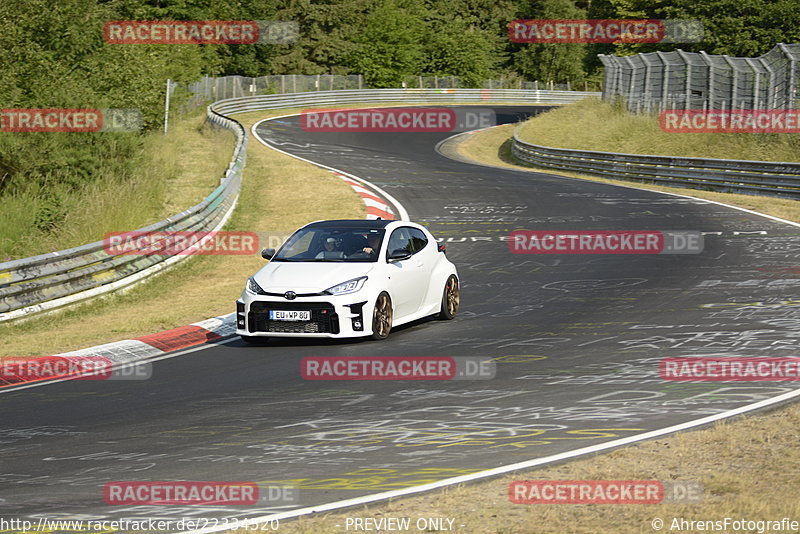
290, 295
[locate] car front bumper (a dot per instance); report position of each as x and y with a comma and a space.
331, 316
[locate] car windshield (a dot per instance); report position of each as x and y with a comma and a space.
332, 245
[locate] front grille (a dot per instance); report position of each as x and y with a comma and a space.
323, 318
282, 295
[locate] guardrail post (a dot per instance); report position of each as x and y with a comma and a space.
790, 97
756, 82
734, 81
710, 82
664, 81
771, 87
631, 82
166, 106
688, 88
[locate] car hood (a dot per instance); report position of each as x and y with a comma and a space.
308, 277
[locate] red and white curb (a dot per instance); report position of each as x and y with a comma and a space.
377, 208
152, 345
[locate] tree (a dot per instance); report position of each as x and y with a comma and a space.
390, 43
559, 62
460, 47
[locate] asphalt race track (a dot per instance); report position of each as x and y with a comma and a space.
577, 340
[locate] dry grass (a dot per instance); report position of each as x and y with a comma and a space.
199, 155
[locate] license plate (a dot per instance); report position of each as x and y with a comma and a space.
289, 315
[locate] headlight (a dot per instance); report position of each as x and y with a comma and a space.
253, 287
351, 286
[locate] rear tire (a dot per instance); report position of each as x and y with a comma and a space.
382, 317
451, 299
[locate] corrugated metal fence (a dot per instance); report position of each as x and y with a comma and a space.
682, 80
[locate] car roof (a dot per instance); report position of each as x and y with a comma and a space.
366, 224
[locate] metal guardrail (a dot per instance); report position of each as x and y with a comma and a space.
56, 279
52, 280
406, 96
780, 179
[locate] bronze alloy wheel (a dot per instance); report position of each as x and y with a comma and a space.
451, 298
382, 317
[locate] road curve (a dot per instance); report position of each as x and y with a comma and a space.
577, 340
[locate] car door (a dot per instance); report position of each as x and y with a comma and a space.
425, 256
408, 281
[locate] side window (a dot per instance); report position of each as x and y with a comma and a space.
399, 240
418, 239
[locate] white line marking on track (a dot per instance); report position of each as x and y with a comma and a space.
358, 501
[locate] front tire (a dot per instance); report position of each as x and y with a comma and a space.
382, 317
451, 299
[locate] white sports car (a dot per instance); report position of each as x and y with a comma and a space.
348, 278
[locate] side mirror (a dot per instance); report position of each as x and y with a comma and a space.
399, 255
268, 253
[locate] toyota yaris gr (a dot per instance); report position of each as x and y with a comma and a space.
348, 278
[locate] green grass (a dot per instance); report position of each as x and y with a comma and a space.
591, 124
40, 218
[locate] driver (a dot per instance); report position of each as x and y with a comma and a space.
373, 244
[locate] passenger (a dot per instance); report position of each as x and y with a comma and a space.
330, 250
